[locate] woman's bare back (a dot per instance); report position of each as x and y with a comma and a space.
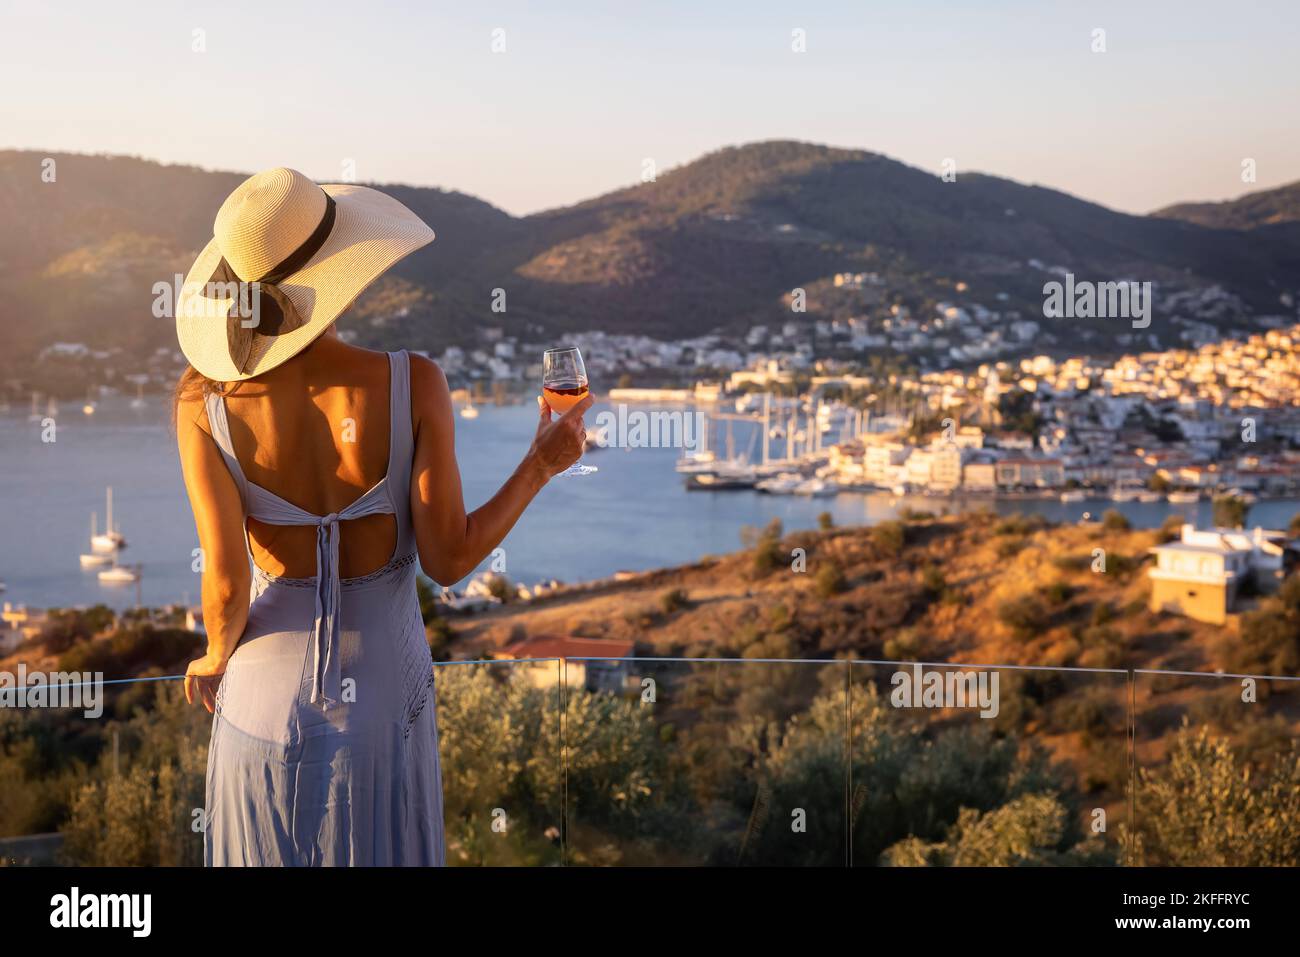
315, 431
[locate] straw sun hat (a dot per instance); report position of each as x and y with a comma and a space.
287, 258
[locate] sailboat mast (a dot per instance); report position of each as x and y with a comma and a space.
767, 423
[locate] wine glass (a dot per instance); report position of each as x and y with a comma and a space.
564, 385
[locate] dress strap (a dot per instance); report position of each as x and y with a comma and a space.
401, 446
399, 412
215, 403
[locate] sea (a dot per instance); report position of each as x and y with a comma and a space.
634, 514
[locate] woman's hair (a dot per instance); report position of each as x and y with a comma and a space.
195, 385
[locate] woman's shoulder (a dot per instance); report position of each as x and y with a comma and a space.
427, 378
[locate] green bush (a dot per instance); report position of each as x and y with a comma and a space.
829, 579
1113, 520
1025, 616
889, 538
673, 600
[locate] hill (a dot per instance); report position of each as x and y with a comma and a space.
716, 244
1269, 207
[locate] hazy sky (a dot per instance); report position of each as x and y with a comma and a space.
584, 92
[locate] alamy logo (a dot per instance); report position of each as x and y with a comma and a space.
58, 689
1098, 300
918, 688
640, 429
134, 911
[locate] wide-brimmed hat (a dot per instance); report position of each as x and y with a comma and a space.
287, 258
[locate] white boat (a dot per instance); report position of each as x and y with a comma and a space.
468, 410
138, 402
784, 484
112, 539
1074, 495
815, 487
95, 559
35, 415
1184, 497
725, 476
701, 461
120, 575
1124, 493
1150, 496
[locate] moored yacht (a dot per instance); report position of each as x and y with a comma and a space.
111, 540
784, 484
120, 575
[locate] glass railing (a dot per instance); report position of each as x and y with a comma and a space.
724, 762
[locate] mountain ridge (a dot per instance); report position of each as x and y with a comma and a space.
717, 243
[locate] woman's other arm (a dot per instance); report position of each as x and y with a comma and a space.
219, 518
450, 542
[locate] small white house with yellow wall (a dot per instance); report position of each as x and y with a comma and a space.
1202, 573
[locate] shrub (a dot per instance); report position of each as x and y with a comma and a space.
889, 538
767, 548
499, 588
1206, 808
1058, 593
1230, 511
829, 579
1010, 548
674, 599
1025, 616
1019, 525
1114, 521
933, 581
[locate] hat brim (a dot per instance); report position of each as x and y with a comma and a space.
372, 231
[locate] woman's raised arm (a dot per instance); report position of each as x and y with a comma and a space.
450, 542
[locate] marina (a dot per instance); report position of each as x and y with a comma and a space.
663, 489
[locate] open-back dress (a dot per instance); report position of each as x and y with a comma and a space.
324, 742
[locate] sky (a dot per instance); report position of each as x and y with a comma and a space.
583, 94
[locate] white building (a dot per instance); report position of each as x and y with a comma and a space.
1202, 573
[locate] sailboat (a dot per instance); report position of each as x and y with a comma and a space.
112, 539
89, 407
94, 559
120, 574
468, 410
35, 415
138, 402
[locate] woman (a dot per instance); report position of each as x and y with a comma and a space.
335, 468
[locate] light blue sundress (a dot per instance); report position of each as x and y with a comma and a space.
324, 743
